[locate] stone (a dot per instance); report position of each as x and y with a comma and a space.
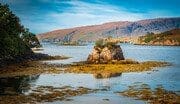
117, 53
105, 54
94, 56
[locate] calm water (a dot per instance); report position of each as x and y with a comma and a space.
168, 77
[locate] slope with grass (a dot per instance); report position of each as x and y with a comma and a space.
168, 38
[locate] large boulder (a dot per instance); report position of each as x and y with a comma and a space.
94, 57
105, 54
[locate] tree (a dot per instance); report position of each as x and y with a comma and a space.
9, 22
15, 40
30, 39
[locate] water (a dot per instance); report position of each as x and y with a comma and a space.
78, 53
168, 77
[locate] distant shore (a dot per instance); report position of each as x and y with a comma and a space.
155, 44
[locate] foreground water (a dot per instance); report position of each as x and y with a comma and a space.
168, 77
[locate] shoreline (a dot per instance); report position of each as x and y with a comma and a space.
112, 69
154, 45
28, 58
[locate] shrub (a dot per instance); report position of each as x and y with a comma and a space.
99, 43
105, 43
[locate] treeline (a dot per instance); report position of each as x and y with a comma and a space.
15, 39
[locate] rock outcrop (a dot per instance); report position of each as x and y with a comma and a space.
105, 54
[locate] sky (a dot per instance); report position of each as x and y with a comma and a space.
46, 15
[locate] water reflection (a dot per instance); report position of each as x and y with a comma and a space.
166, 76
16, 85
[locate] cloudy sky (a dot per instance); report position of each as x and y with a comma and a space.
46, 15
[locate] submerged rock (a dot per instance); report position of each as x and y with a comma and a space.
105, 54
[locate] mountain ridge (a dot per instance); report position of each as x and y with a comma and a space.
113, 29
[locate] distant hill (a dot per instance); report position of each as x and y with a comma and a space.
113, 29
171, 38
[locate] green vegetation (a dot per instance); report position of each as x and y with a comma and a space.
101, 43
149, 37
30, 39
15, 40
171, 37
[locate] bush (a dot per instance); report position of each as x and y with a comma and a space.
105, 43
99, 43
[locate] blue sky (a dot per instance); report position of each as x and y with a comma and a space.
47, 15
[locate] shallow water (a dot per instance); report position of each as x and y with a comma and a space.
168, 77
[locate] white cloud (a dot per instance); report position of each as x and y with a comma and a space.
81, 13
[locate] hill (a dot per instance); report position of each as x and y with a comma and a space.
113, 29
171, 37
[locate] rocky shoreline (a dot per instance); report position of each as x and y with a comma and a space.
111, 69
29, 57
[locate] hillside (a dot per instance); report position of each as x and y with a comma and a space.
171, 37
113, 29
